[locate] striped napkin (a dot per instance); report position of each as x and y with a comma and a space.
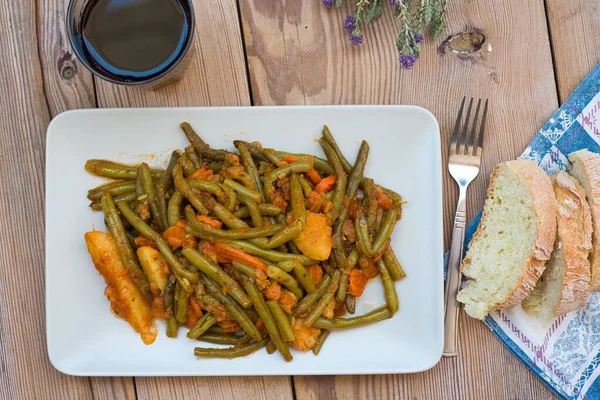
564, 353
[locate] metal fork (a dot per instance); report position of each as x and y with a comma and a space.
463, 163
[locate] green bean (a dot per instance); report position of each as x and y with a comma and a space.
271, 348
195, 140
292, 248
128, 197
169, 294
215, 329
283, 323
323, 303
186, 165
265, 314
173, 210
393, 265
114, 188
236, 312
270, 255
363, 244
329, 138
351, 260
202, 325
130, 261
297, 200
378, 219
244, 269
303, 305
242, 190
193, 157
215, 166
172, 327
212, 188
254, 150
224, 339
232, 352
149, 192
184, 277
266, 209
286, 234
200, 146
342, 287
319, 163
306, 185
217, 273
361, 320
389, 289
273, 156
250, 166
282, 172
302, 276
322, 338
161, 188
228, 218
340, 183
387, 226
231, 197
206, 231
184, 188
285, 279
182, 298
255, 215
372, 206
112, 169
287, 265
350, 303
356, 174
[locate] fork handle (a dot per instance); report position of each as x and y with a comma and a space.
453, 276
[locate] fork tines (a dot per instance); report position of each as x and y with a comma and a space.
462, 142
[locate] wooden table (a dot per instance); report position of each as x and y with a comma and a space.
264, 52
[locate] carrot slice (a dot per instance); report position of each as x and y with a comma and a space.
313, 176
326, 184
201, 174
290, 159
176, 237
233, 253
356, 282
315, 272
209, 221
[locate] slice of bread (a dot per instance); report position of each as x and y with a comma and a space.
513, 240
586, 169
565, 283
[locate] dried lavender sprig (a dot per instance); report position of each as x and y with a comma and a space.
410, 36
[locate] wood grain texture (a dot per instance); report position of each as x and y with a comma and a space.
228, 388
217, 72
67, 83
298, 53
25, 371
574, 32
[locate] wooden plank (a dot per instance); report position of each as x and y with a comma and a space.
298, 53
574, 30
69, 85
216, 76
25, 371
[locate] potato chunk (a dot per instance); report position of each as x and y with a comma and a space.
314, 240
155, 267
126, 300
305, 337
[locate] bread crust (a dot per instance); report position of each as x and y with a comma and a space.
540, 188
575, 236
591, 167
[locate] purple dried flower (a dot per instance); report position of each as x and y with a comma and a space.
357, 40
350, 23
418, 38
395, 3
407, 61
328, 3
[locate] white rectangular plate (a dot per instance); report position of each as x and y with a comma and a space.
84, 338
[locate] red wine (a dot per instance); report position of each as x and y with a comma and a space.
135, 39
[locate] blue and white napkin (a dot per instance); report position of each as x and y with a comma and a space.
565, 352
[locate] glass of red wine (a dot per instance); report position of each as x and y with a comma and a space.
133, 42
